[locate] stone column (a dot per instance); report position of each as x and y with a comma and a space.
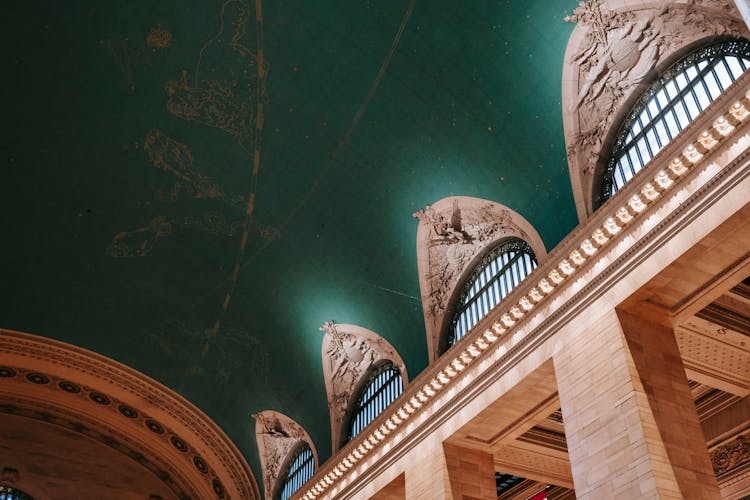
657, 359
630, 423
451, 472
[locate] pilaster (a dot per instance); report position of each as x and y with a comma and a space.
454, 473
614, 443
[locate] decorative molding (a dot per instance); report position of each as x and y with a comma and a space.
89, 393
545, 438
714, 355
613, 50
453, 234
730, 456
349, 353
533, 464
639, 220
726, 317
278, 436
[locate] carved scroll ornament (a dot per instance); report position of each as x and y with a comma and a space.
349, 352
278, 437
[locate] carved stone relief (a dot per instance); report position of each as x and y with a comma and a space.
610, 53
731, 455
278, 436
452, 233
349, 351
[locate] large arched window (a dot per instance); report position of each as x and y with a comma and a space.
499, 272
8, 493
301, 469
382, 388
675, 99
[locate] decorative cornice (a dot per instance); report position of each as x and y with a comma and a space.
646, 190
62, 394
122, 387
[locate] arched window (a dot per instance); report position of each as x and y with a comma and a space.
382, 388
675, 99
301, 469
8, 493
496, 275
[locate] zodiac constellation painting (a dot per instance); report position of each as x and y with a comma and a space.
240, 355
128, 56
226, 82
225, 90
176, 160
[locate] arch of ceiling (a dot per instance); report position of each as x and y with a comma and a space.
349, 353
93, 396
453, 235
278, 437
613, 50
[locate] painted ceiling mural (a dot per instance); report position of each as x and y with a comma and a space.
193, 188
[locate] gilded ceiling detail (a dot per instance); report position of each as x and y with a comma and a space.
349, 352
226, 83
225, 90
176, 160
158, 38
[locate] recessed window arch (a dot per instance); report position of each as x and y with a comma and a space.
674, 100
9, 493
301, 468
381, 388
496, 275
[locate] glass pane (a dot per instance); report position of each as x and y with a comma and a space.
703, 98
672, 125
662, 132
673, 104
681, 112
723, 75
734, 66
671, 89
661, 96
645, 155
619, 179
692, 106
502, 270
713, 86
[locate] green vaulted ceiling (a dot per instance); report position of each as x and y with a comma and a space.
138, 134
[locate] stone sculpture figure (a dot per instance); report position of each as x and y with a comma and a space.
278, 437
453, 245
619, 50
349, 353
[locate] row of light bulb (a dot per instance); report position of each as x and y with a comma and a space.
624, 215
